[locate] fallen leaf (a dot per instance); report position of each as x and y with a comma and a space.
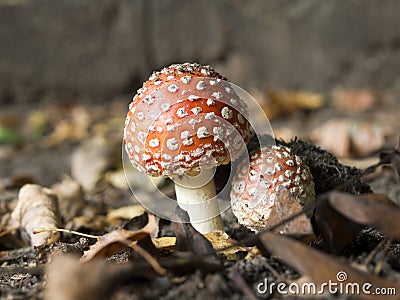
73, 127
126, 212
165, 244
90, 160
114, 241
353, 100
344, 137
333, 136
323, 268
376, 210
96, 223
70, 198
193, 246
286, 207
37, 208
222, 243
336, 230
91, 281
286, 102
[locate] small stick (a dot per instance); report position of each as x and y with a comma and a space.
150, 259
7, 231
68, 231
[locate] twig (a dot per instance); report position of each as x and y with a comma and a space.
68, 231
150, 259
243, 286
7, 231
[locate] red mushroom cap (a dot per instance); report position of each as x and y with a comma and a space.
185, 116
255, 188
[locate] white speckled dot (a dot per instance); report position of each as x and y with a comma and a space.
234, 101
201, 85
194, 122
166, 156
173, 88
165, 106
217, 95
157, 81
154, 143
218, 133
142, 136
210, 115
202, 132
193, 97
188, 142
270, 159
145, 157
210, 102
172, 144
148, 99
289, 162
140, 115
196, 110
240, 118
171, 127
239, 187
185, 134
186, 79
181, 112
133, 127
169, 121
198, 152
289, 173
227, 113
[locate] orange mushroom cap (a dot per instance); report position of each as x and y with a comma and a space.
185, 116
255, 188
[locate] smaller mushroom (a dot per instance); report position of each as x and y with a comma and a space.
256, 188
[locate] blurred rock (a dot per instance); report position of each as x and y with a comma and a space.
105, 48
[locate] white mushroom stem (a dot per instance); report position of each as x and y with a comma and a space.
197, 196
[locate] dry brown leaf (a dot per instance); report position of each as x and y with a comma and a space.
67, 279
344, 137
369, 209
286, 207
96, 223
90, 160
286, 102
70, 198
353, 100
37, 208
165, 244
222, 243
114, 241
333, 136
320, 267
126, 212
336, 230
71, 128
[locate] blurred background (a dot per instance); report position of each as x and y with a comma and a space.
327, 72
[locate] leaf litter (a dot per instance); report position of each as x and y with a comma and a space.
217, 265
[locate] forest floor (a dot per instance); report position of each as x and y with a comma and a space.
75, 150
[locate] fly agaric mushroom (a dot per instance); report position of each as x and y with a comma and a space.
185, 120
255, 189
